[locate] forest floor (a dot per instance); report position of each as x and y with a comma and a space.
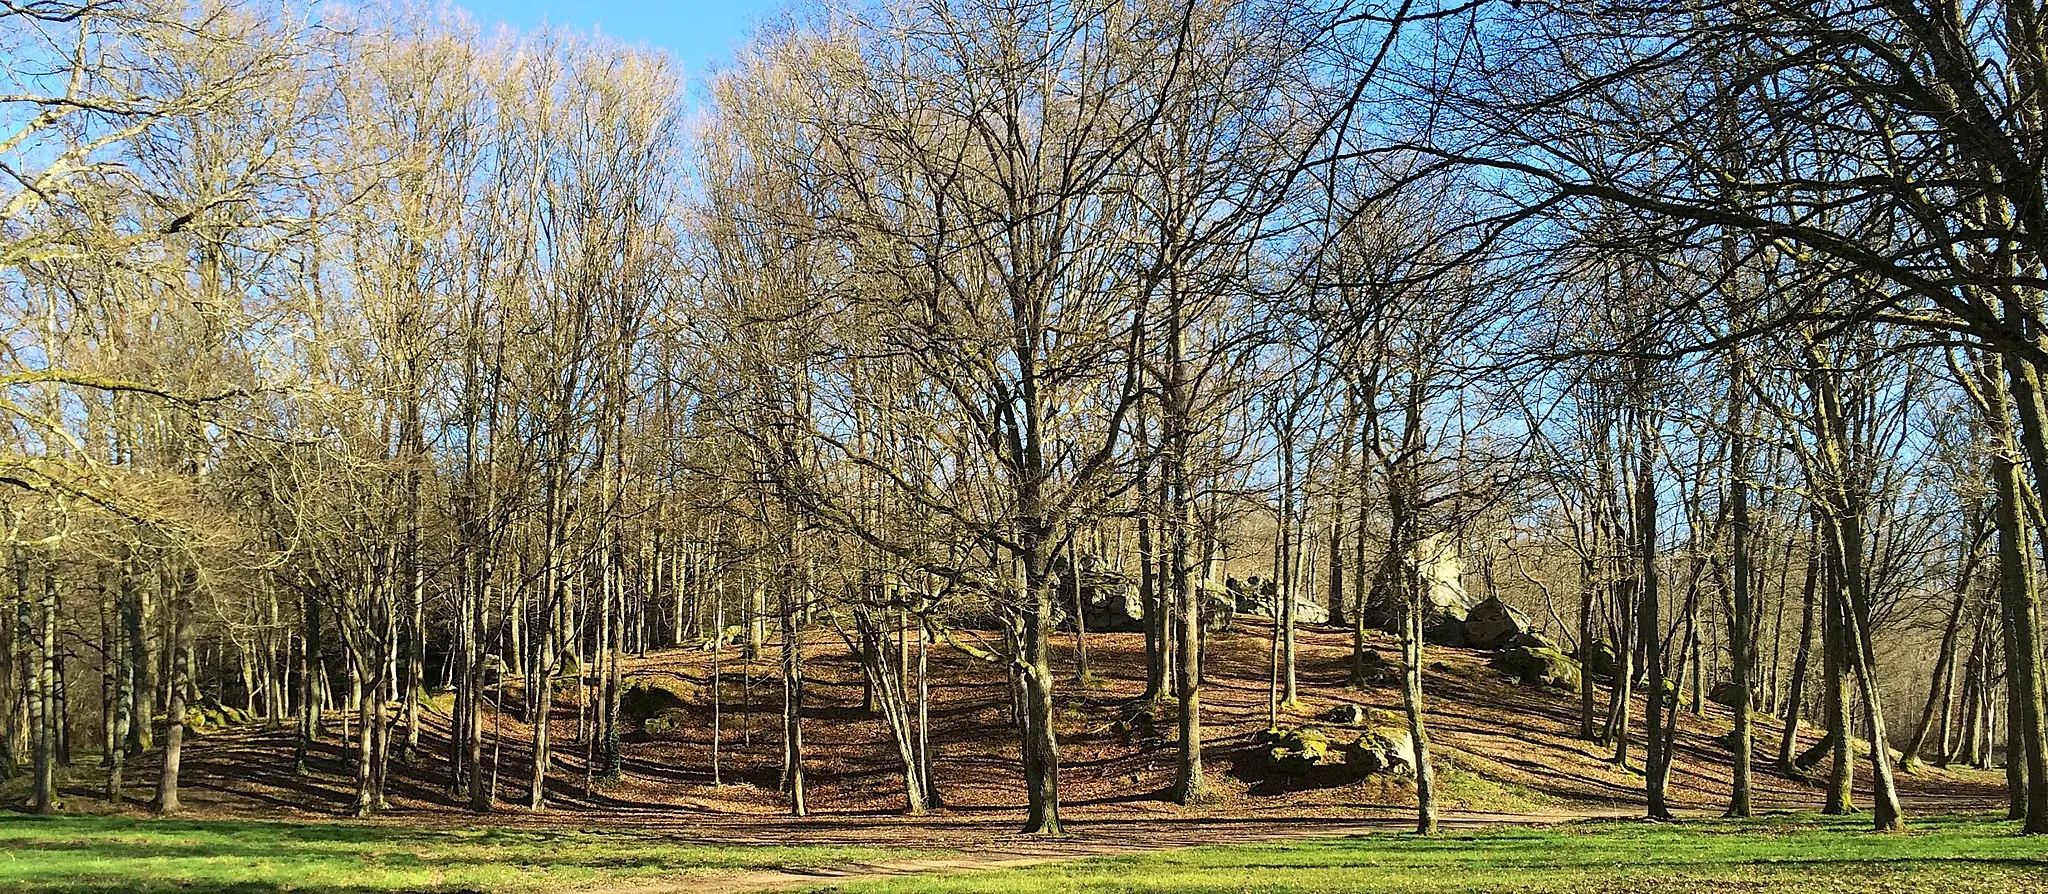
1506, 754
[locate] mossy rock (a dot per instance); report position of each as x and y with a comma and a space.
442, 700
644, 696
1139, 726
1358, 716
203, 720
1725, 693
1601, 660
1671, 693
669, 722
1538, 666
214, 716
726, 639
1382, 749
1374, 670
1295, 751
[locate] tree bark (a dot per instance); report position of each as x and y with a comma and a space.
1795, 695
179, 649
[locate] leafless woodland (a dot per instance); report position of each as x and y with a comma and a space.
356, 355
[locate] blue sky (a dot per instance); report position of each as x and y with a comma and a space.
699, 32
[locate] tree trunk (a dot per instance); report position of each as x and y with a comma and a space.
2019, 595
34, 632
125, 653
1191, 785
1157, 627
1032, 669
1589, 693
179, 648
1841, 775
2020, 604
1411, 699
1657, 759
877, 668
792, 703
1795, 694
1744, 657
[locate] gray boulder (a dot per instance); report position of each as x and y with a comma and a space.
1139, 727
1725, 693
1260, 598
1382, 749
1538, 666
1436, 563
1446, 632
1296, 751
1373, 669
1492, 624
646, 696
1600, 661
1346, 715
1109, 599
1219, 605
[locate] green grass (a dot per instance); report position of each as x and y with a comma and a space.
1949, 855
104, 855
1794, 853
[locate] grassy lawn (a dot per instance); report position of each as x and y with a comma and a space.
1949, 855
105, 855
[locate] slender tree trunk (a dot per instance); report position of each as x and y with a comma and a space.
1888, 815
877, 668
311, 682
125, 653
2020, 603
718, 684
1589, 693
33, 616
1620, 700
792, 704
1795, 694
540, 697
1650, 629
1032, 669
1411, 699
2019, 594
1149, 587
1284, 595
1191, 783
1744, 659
1973, 672
1842, 772
180, 609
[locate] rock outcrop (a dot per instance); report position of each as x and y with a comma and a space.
1109, 599
1373, 670
1382, 749
1600, 660
1446, 605
1538, 666
1296, 751
1260, 598
644, 698
1493, 624
1725, 693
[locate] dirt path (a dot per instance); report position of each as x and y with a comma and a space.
1019, 851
